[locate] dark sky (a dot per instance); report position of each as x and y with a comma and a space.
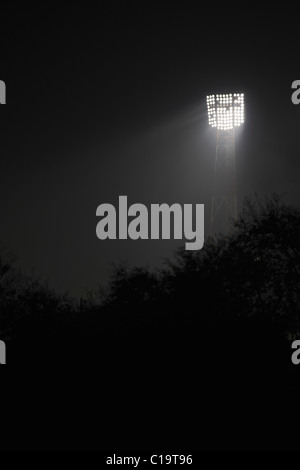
109, 102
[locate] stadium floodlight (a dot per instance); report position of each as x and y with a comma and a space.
225, 111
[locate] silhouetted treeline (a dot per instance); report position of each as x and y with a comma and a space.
183, 356
237, 300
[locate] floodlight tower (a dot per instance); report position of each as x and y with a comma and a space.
225, 112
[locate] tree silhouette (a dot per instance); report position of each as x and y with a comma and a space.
240, 292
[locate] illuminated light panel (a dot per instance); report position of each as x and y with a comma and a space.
225, 111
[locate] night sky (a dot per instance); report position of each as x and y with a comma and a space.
109, 102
